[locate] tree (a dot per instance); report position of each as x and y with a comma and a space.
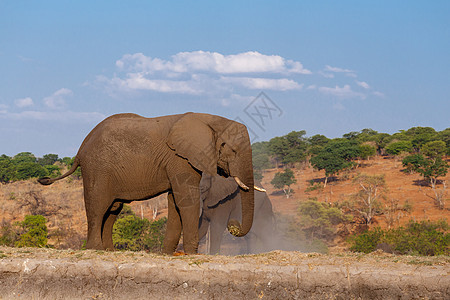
48, 159
395, 148
7, 169
420, 136
336, 156
381, 140
290, 148
319, 220
366, 151
283, 180
434, 149
53, 170
24, 157
413, 162
431, 168
129, 233
67, 160
27, 170
133, 233
444, 136
35, 232
278, 148
366, 202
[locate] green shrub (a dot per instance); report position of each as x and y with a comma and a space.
367, 241
35, 232
128, 233
420, 238
396, 148
155, 237
135, 234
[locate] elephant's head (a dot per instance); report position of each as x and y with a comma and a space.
213, 145
215, 190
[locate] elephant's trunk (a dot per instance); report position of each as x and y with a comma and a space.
245, 174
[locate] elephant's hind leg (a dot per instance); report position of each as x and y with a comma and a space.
108, 223
97, 205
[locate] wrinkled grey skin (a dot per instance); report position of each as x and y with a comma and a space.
128, 157
221, 201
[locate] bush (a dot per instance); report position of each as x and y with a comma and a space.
128, 233
420, 238
35, 232
27, 170
396, 148
155, 237
318, 220
367, 241
135, 234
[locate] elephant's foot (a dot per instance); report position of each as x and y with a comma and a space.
94, 245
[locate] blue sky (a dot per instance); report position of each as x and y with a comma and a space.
328, 67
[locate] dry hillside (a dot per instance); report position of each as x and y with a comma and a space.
62, 203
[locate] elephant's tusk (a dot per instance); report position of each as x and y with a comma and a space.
259, 189
240, 183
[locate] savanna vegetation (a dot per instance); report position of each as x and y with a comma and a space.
317, 224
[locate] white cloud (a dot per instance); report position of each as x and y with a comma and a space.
57, 99
341, 92
137, 81
363, 84
378, 94
202, 72
219, 76
23, 102
263, 83
211, 62
326, 75
347, 72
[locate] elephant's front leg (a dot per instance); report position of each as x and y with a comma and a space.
185, 187
173, 230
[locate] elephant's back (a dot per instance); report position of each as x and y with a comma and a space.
129, 127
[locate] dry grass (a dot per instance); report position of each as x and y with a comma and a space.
63, 206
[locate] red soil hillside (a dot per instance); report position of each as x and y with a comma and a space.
402, 186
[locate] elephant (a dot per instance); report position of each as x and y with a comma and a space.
221, 201
127, 157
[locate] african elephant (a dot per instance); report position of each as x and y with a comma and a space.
127, 157
221, 201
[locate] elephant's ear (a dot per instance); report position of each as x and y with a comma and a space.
194, 140
217, 188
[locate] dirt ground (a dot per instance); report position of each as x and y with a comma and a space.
30, 273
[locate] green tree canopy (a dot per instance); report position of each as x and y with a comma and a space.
395, 148
7, 169
27, 170
284, 179
24, 157
336, 156
366, 151
48, 159
434, 149
35, 232
318, 219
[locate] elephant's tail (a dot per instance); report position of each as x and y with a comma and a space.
48, 180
